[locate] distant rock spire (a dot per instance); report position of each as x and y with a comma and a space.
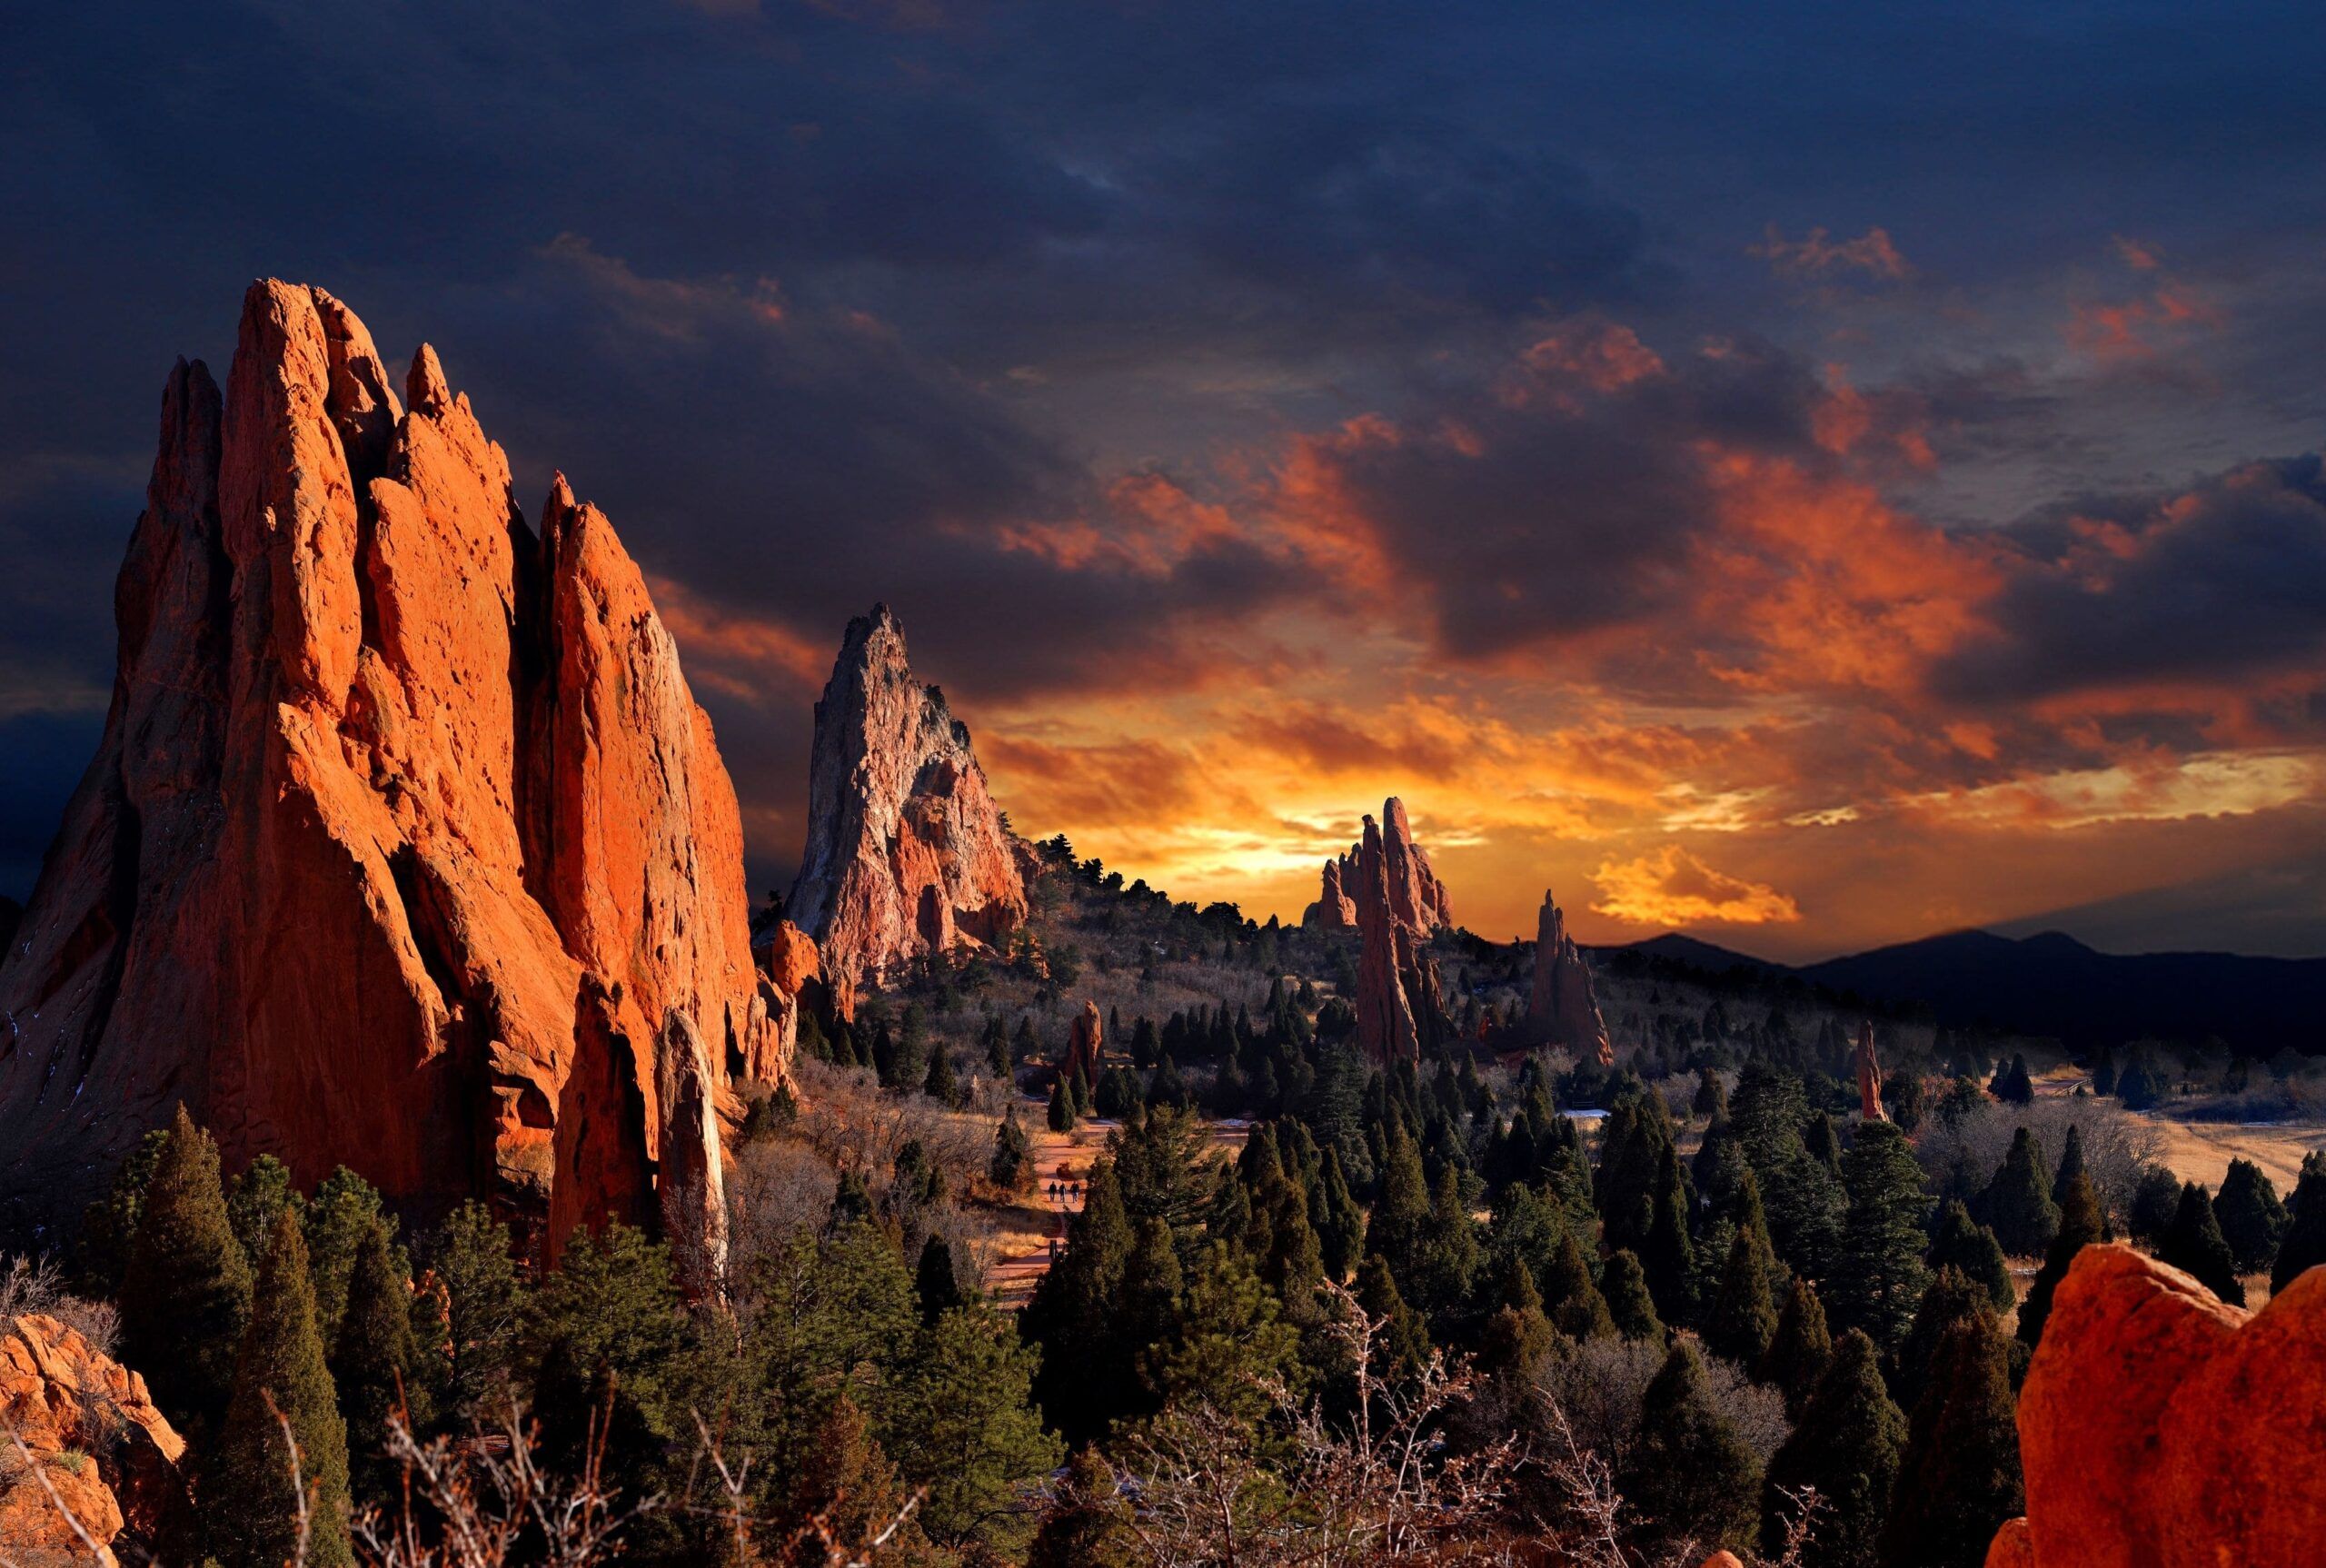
1869, 1075
1564, 1011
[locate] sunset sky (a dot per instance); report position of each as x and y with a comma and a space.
1800, 475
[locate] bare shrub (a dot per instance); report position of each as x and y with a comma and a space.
1962, 1157
30, 1287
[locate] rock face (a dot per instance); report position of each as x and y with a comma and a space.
2160, 1427
1869, 1075
1083, 1046
1563, 1010
906, 852
64, 1397
404, 833
1416, 894
1400, 903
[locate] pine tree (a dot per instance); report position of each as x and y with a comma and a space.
1230, 1341
1799, 1350
375, 1364
1083, 1377
2252, 1221
1012, 1167
1743, 1318
2193, 1244
1691, 1475
345, 1209
1847, 1445
1571, 1298
1959, 1479
847, 1482
933, 1283
940, 1084
1631, 1305
1398, 1228
1670, 1260
2304, 1246
2103, 1074
1879, 1274
966, 1431
2071, 1165
1965, 1245
109, 1226
186, 1294
484, 1310
2080, 1225
2156, 1195
1083, 1527
1450, 1258
250, 1512
2017, 1204
1951, 1300
1404, 1344
1339, 1223
1061, 1111
253, 1201
1711, 1100
607, 1345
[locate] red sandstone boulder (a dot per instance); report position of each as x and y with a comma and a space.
107, 1455
1562, 1009
906, 852
1083, 1046
2162, 1428
387, 777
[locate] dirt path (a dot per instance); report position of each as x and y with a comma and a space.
1029, 1227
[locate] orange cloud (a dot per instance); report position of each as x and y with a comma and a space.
1672, 888
1817, 255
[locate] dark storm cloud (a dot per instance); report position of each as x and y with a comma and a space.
2224, 579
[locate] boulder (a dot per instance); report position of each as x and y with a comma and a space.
1563, 1010
906, 854
2161, 1427
387, 777
104, 1451
1083, 1046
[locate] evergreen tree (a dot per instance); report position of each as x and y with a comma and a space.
607, 1341
1518, 1341
1631, 1305
1711, 1100
1571, 1298
249, 1509
2251, 1219
1450, 1258
1398, 1228
1405, 1340
2011, 1085
938, 1084
2017, 1204
2070, 1166
2080, 1226
1670, 1260
1824, 1144
1803, 1198
1230, 1341
376, 1365
1012, 1167
1339, 1223
1799, 1350
1879, 1274
1743, 1319
1061, 1111
2304, 1245
109, 1226
2103, 1075
253, 1202
1082, 1379
933, 1283
847, 1481
345, 1209
1959, 1479
2138, 1086
1691, 1475
484, 1312
996, 1051
1965, 1245
186, 1294
1083, 1527
2193, 1244
967, 1433
1951, 1300
1846, 1444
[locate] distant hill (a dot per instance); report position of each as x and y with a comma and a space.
2051, 984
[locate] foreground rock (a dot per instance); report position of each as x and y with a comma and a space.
1563, 1010
392, 789
905, 853
1415, 895
2160, 1427
94, 1436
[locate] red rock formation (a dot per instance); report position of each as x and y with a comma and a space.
2160, 1427
1083, 1046
788, 960
1415, 895
1397, 997
61, 1396
906, 852
1563, 1010
391, 788
1869, 1075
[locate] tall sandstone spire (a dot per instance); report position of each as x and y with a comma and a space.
391, 792
1399, 902
906, 854
1415, 892
1564, 1010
